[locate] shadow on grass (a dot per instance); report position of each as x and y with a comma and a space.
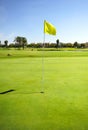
29, 93
11, 90
5, 92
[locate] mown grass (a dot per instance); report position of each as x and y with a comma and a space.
62, 106
35, 53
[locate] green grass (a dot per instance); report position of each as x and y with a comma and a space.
35, 53
63, 106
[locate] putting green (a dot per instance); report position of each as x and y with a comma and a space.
63, 106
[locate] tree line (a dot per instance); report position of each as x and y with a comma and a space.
21, 42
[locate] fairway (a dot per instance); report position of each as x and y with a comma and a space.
62, 106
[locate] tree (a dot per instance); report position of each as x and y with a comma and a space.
52, 45
82, 45
69, 45
75, 44
11, 45
20, 41
24, 42
0, 44
57, 43
6, 43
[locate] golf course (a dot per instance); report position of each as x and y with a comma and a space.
43, 90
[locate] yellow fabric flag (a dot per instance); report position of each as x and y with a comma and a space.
49, 28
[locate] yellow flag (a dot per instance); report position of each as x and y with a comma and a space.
49, 28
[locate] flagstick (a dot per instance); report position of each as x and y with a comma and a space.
42, 87
49, 29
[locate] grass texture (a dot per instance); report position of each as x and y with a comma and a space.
62, 106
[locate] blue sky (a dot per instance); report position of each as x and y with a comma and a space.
26, 17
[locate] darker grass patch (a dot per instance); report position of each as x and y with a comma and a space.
42, 92
9, 55
5, 92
